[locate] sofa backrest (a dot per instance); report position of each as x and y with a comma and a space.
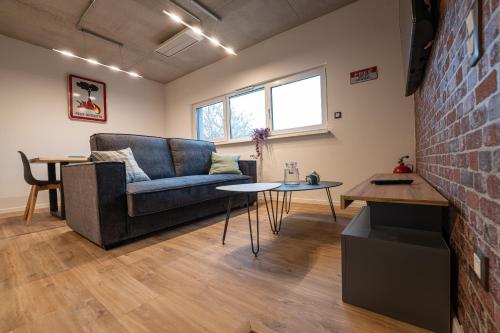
191, 157
151, 153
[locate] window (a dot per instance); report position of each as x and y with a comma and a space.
296, 103
210, 120
247, 111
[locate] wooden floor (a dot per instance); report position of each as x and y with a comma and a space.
182, 280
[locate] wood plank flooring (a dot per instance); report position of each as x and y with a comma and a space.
181, 280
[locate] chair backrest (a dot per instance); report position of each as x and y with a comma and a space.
28, 176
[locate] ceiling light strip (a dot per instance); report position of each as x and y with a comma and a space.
198, 31
95, 62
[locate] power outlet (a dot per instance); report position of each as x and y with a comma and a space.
480, 268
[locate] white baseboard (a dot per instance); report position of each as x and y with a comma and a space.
44, 205
20, 209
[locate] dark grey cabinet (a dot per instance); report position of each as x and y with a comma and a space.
396, 262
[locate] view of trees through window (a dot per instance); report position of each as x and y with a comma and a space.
211, 122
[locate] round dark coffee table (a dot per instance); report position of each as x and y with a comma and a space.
287, 191
248, 189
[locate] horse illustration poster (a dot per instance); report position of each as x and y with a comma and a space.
87, 99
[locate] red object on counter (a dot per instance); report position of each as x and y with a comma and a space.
402, 168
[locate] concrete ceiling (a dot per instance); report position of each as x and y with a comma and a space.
141, 27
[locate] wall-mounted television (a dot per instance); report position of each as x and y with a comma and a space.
418, 24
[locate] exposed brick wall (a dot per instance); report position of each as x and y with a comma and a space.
457, 112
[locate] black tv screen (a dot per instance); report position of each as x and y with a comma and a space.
417, 23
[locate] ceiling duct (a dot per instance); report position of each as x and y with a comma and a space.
178, 43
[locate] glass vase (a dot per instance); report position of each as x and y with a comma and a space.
291, 176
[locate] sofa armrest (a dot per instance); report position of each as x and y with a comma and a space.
95, 200
249, 168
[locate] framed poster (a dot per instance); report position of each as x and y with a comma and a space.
365, 74
87, 99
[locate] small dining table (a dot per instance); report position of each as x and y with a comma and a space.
51, 171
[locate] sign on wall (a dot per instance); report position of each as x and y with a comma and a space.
87, 99
364, 75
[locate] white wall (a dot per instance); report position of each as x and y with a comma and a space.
34, 112
378, 123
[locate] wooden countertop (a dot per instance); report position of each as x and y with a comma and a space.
418, 193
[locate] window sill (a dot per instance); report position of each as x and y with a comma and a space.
276, 137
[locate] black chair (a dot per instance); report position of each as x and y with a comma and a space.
36, 186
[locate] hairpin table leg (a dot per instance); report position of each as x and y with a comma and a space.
270, 216
331, 204
255, 249
227, 219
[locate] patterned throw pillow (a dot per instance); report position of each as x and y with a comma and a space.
134, 172
225, 163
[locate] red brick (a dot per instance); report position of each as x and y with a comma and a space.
451, 117
487, 87
496, 161
494, 107
476, 222
472, 200
491, 135
473, 160
461, 160
490, 209
485, 161
474, 140
490, 33
493, 184
479, 183
491, 235
478, 117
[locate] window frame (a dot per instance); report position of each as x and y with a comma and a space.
321, 72
216, 100
244, 92
267, 86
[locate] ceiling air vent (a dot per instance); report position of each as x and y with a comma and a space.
179, 42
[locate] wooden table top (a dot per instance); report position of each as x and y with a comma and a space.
60, 159
418, 193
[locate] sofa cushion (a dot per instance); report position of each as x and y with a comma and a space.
134, 172
225, 163
191, 157
151, 153
164, 194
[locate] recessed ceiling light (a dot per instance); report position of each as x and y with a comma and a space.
174, 17
197, 30
230, 50
67, 53
95, 62
214, 41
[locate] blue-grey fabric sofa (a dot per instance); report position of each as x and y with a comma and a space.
103, 208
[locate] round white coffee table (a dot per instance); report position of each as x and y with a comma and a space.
248, 189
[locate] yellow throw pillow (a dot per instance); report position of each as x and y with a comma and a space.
225, 163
